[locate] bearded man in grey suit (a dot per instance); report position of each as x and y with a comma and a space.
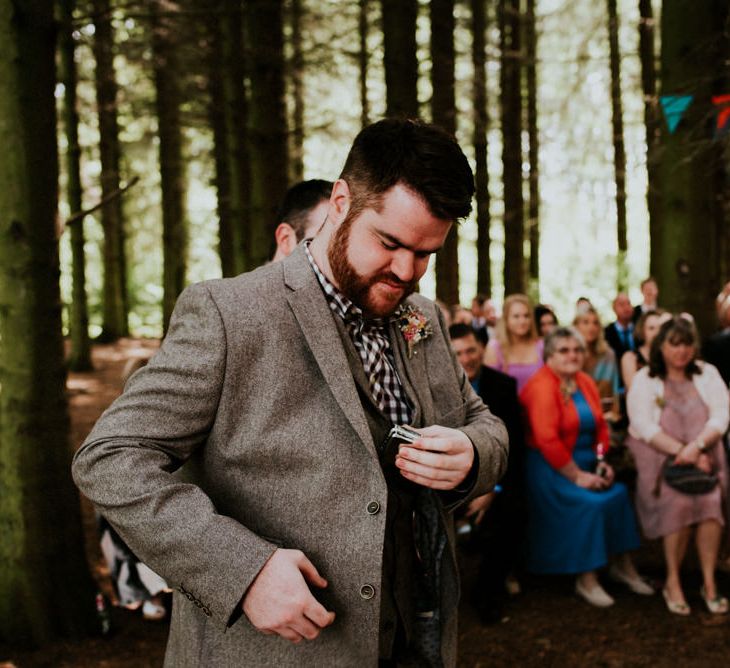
279, 388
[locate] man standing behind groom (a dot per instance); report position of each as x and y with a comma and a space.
282, 386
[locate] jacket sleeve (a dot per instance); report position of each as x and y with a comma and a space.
543, 410
715, 395
126, 466
641, 405
484, 429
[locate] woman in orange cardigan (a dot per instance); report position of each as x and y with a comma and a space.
578, 516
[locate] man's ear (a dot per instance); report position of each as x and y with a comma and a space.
340, 201
286, 239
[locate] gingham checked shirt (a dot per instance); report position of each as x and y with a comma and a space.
373, 345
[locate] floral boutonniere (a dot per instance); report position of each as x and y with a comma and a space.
414, 326
659, 401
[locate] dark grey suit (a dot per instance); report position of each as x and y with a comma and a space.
253, 384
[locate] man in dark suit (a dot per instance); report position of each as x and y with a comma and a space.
716, 349
650, 294
620, 333
500, 514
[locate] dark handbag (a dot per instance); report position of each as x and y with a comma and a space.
685, 478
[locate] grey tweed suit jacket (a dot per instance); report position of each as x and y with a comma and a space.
252, 388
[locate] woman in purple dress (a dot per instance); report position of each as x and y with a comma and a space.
516, 349
679, 407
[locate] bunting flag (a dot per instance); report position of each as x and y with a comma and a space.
722, 102
674, 107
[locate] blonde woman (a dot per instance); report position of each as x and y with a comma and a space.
517, 349
600, 360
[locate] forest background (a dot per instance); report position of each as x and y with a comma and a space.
179, 127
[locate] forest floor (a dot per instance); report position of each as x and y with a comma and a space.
545, 625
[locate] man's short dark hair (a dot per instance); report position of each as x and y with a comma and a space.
424, 158
461, 330
299, 200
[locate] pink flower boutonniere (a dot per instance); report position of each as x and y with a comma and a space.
414, 326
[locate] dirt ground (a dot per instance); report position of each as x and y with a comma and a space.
545, 625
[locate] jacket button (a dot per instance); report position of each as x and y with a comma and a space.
373, 508
367, 591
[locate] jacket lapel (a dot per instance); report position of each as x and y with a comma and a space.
316, 321
414, 375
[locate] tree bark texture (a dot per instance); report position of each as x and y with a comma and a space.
443, 113
401, 66
80, 354
165, 25
694, 49
45, 588
267, 124
481, 125
511, 117
619, 152
533, 207
115, 301
217, 120
652, 121
296, 77
236, 151
362, 61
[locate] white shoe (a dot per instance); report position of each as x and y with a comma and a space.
596, 596
633, 582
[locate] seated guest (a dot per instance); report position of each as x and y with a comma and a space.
516, 349
620, 333
478, 321
679, 408
499, 515
545, 319
646, 329
599, 361
650, 293
716, 349
578, 517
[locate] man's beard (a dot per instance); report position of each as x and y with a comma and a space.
355, 286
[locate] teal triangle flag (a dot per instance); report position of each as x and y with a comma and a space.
674, 107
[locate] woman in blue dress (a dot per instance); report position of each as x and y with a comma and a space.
578, 516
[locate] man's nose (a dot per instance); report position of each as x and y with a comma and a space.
403, 265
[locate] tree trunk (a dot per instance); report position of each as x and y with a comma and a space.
481, 123
443, 113
652, 121
533, 207
115, 306
267, 124
296, 75
45, 588
80, 355
165, 25
362, 61
693, 54
235, 111
401, 66
619, 153
511, 113
217, 119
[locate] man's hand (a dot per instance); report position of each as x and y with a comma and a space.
279, 601
441, 459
